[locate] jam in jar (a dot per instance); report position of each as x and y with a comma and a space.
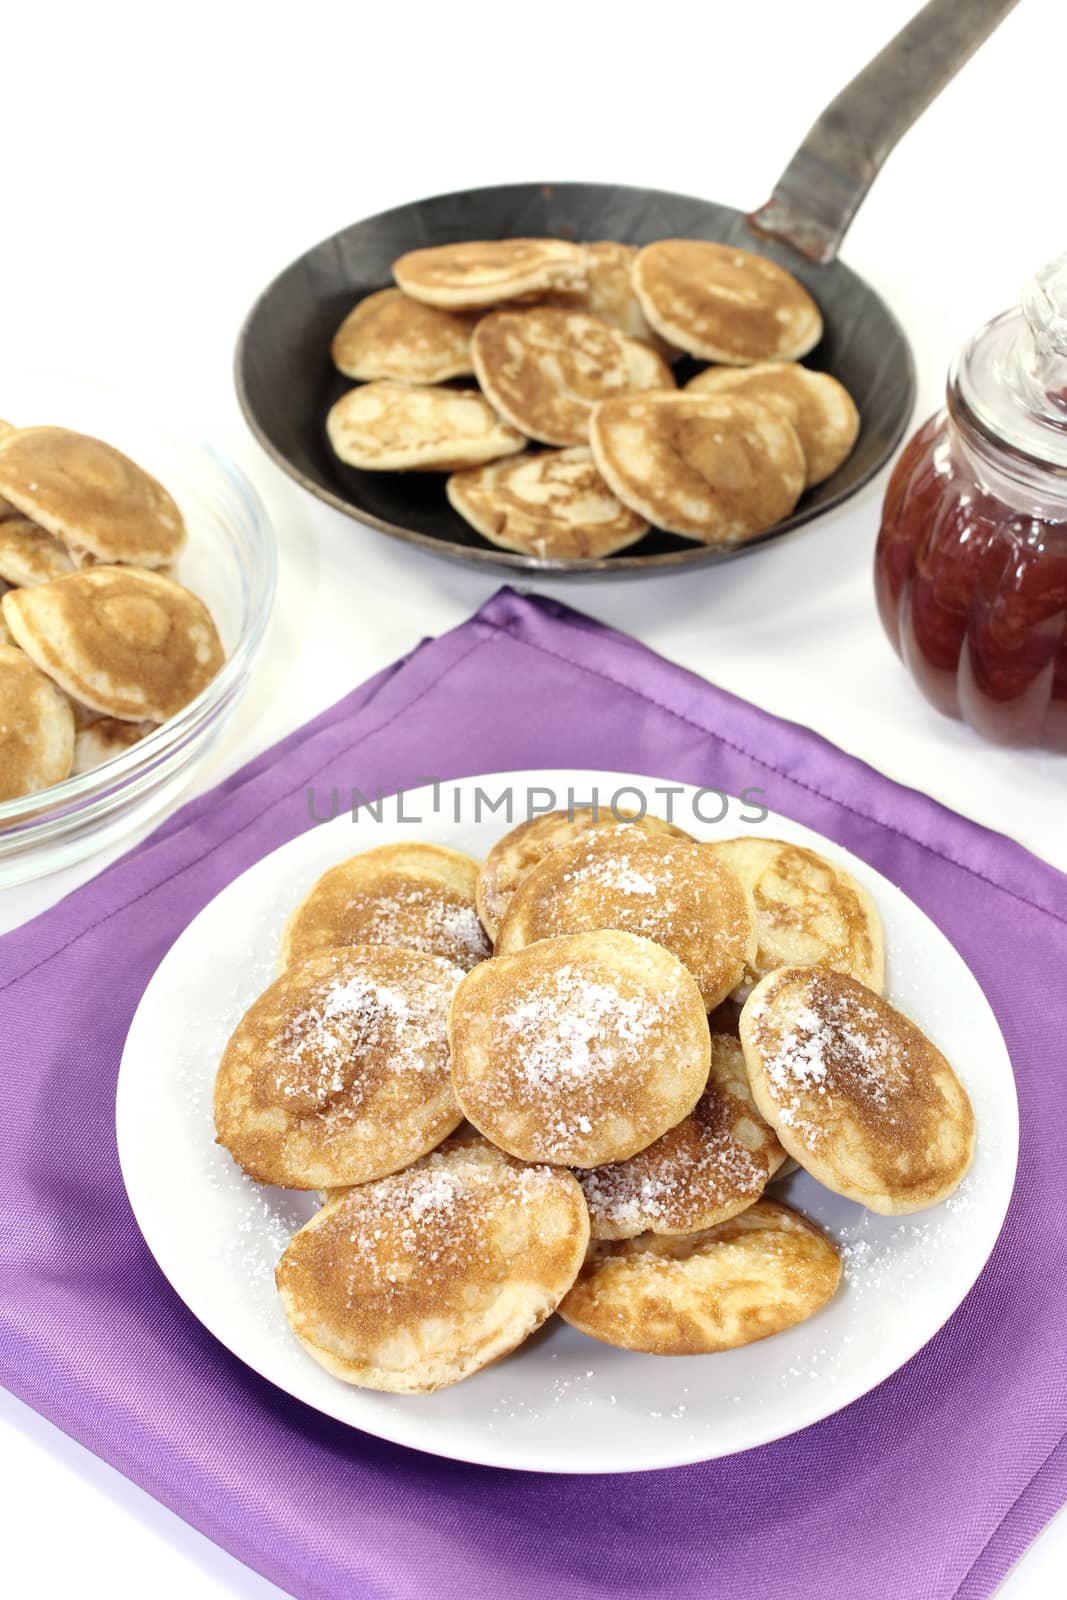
971, 562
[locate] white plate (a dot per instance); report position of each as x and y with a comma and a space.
563, 1403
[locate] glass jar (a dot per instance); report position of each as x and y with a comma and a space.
971, 561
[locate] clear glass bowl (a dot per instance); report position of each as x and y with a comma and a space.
230, 561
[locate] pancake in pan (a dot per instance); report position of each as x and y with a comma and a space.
713, 468
127, 643
609, 294
723, 304
422, 1279
550, 504
579, 1050
36, 727
401, 427
389, 335
756, 1275
855, 1092
91, 496
544, 369
820, 409
475, 274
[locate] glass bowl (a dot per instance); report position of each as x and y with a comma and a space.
230, 561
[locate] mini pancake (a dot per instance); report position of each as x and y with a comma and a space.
104, 739
36, 728
127, 643
339, 1072
808, 911
29, 555
705, 1170
670, 890
554, 503
422, 1279
714, 468
855, 1092
725, 304
609, 294
91, 496
476, 274
820, 409
753, 1276
514, 857
389, 335
544, 369
419, 896
579, 1050
403, 427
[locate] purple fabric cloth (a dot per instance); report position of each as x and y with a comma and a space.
929, 1487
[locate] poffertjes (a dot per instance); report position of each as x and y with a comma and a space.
479, 273
724, 304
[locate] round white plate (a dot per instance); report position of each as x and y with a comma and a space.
562, 1403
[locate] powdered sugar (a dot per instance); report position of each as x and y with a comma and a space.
571, 1030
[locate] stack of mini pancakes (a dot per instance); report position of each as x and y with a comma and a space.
98, 645
577, 439
562, 1081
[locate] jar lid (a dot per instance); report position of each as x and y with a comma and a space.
1013, 372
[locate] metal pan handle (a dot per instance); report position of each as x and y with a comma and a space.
823, 186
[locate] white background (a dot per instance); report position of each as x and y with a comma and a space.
161, 164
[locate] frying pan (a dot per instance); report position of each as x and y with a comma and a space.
286, 382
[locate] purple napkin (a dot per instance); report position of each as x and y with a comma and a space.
929, 1487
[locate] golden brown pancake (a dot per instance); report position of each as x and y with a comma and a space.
514, 857
808, 911
663, 888
36, 728
705, 1170
419, 896
820, 409
578, 1050
389, 335
476, 274
89, 495
714, 468
128, 643
403, 427
544, 369
756, 1275
550, 504
105, 738
725, 304
609, 294
29, 555
422, 1279
338, 1073
855, 1092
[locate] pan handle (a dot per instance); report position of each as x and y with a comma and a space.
823, 186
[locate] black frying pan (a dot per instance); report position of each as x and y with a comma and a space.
286, 382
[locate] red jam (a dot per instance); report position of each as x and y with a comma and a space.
971, 582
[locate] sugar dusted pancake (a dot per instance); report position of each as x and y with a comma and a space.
756, 1275
708, 1168
29, 555
419, 896
514, 857
422, 1279
725, 304
821, 410
338, 1073
389, 335
663, 888
476, 274
579, 1050
91, 496
105, 738
856, 1093
127, 643
36, 728
714, 468
401, 427
552, 504
808, 910
609, 294
545, 369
